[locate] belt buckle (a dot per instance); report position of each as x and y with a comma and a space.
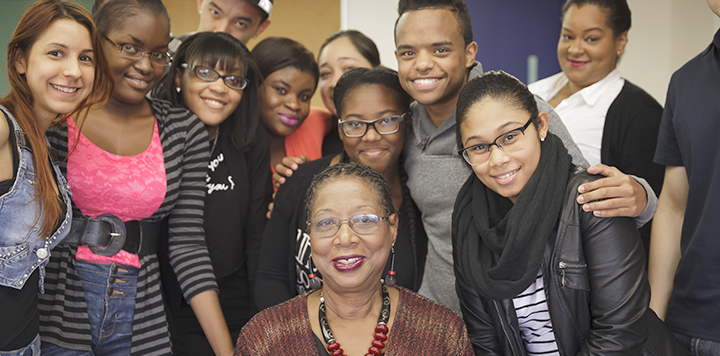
117, 236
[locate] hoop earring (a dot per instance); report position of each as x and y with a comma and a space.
315, 282
390, 279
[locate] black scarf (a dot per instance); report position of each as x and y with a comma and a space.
498, 246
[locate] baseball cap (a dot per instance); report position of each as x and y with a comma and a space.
264, 5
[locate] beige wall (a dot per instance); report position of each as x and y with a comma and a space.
664, 35
308, 22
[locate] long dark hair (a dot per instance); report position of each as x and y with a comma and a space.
275, 53
217, 49
36, 20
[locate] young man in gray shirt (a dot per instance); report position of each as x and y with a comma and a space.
436, 57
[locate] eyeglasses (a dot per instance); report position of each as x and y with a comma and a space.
137, 53
362, 224
509, 142
210, 75
384, 126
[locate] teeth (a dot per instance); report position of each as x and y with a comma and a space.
139, 80
506, 175
349, 261
425, 81
65, 89
213, 102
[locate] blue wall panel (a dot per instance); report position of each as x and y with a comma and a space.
508, 31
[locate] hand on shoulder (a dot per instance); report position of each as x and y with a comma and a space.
615, 195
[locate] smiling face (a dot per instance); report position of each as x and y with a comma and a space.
212, 102
135, 77
432, 56
504, 173
587, 50
285, 100
59, 71
338, 57
347, 259
238, 18
368, 103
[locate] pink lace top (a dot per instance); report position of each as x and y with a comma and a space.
129, 187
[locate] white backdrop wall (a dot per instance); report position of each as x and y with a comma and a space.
664, 35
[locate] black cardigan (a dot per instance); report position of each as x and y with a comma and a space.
276, 279
629, 139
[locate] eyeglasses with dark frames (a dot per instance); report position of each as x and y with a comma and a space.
362, 224
208, 74
134, 52
509, 142
384, 125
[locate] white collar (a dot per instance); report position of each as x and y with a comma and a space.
549, 87
592, 93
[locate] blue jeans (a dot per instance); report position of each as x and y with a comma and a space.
110, 291
30, 350
699, 347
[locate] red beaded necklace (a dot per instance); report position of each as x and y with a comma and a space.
381, 330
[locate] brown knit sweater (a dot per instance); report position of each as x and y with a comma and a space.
421, 327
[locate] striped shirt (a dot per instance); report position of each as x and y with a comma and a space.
63, 313
533, 317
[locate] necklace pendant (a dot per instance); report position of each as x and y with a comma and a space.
381, 330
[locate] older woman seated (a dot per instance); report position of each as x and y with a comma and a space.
353, 226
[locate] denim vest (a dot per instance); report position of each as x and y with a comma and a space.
22, 249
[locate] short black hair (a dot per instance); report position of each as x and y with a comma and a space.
218, 49
110, 14
358, 77
350, 170
362, 43
275, 53
619, 18
455, 6
496, 85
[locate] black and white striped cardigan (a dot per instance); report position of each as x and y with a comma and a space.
63, 316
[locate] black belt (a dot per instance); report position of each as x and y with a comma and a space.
107, 235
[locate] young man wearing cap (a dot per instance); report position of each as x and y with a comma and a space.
436, 57
242, 19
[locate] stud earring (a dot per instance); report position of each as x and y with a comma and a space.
390, 279
542, 139
315, 282
619, 53
177, 89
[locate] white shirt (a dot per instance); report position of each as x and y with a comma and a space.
584, 112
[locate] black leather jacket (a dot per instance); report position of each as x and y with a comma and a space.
595, 284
